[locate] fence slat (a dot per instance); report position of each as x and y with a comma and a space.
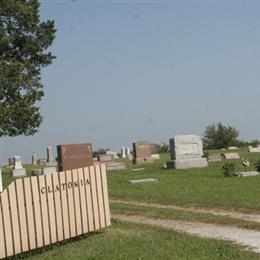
29, 213
51, 209
14, 218
64, 205
37, 211
7, 223
71, 204
83, 205
100, 197
57, 202
2, 239
94, 197
105, 194
44, 209
77, 202
89, 200
22, 214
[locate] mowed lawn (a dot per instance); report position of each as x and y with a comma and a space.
201, 187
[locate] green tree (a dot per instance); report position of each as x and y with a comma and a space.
24, 41
218, 136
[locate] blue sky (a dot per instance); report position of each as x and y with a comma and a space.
131, 70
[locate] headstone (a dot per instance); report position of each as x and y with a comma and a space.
215, 158
1, 181
11, 161
246, 174
112, 153
155, 156
34, 161
231, 156
127, 151
252, 149
137, 169
106, 157
155, 148
232, 148
73, 156
123, 152
42, 161
50, 157
142, 152
113, 166
18, 167
49, 170
142, 180
186, 152
37, 172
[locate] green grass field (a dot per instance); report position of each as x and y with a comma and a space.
202, 188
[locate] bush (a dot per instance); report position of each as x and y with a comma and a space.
257, 165
228, 169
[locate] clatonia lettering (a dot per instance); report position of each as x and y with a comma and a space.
65, 186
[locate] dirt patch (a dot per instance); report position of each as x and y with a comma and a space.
249, 239
216, 212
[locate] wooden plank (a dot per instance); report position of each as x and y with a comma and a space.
89, 200
71, 204
94, 197
83, 204
57, 202
64, 205
2, 238
44, 210
22, 215
14, 218
100, 197
51, 208
37, 211
75, 181
105, 194
7, 224
29, 213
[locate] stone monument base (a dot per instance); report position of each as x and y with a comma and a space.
143, 160
188, 163
19, 172
49, 170
51, 163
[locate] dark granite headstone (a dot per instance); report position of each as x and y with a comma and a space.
73, 156
142, 152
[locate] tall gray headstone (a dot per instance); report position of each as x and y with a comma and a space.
186, 152
34, 160
50, 155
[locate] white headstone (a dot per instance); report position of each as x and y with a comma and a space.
1, 181
34, 161
50, 155
17, 163
123, 152
49, 170
254, 149
187, 151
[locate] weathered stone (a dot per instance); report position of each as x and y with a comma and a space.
231, 156
19, 172
246, 174
106, 157
142, 180
49, 170
252, 149
112, 166
11, 161
142, 152
137, 169
215, 158
36, 172
74, 156
112, 153
42, 161
34, 161
155, 156
123, 152
232, 148
186, 152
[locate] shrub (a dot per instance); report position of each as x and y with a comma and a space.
228, 169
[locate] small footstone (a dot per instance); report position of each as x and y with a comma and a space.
142, 180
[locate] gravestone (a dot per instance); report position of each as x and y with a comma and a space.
42, 161
142, 152
127, 152
155, 156
155, 148
49, 170
186, 152
1, 181
232, 148
50, 157
73, 156
142, 180
113, 166
252, 149
106, 157
231, 156
37, 172
123, 152
18, 167
34, 161
246, 174
215, 158
11, 161
112, 153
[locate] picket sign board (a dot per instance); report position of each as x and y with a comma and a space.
41, 210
